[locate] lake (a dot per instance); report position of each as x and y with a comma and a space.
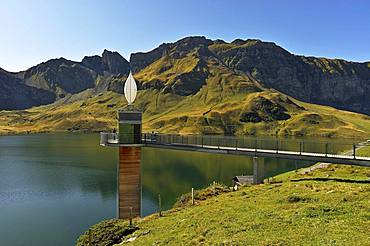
53, 187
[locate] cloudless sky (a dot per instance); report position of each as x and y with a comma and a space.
33, 31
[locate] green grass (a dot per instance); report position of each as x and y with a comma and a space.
292, 210
166, 69
200, 114
364, 151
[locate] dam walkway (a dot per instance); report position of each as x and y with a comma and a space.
307, 150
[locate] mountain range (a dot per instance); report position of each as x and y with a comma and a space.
194, 85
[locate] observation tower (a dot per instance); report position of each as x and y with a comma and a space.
128, 140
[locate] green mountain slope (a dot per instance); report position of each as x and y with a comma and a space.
276, 114
197, 85
333, 82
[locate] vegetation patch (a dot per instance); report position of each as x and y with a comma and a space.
200, 195
106, 233
321, 211
250, 117
296, 198
269, 109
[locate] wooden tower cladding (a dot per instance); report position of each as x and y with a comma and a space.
129, 167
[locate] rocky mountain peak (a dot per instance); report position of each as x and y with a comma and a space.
94, 63
238, 41
193, 41
50, 65
110, 61
14, 94
115, 63
178, 49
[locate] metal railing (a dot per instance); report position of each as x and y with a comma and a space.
288, 146
120, 138
108, 138
332, 149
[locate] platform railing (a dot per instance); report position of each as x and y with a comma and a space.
107, 138
297, 146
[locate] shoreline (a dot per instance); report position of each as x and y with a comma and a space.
268, 137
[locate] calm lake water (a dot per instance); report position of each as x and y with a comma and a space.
53, 187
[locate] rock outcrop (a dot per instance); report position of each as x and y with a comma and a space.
57, 78
16, 95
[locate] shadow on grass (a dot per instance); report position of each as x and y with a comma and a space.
333, 179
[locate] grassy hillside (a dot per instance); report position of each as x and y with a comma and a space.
325, 205
252, 113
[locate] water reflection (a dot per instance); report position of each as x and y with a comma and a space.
172, 173
54, 186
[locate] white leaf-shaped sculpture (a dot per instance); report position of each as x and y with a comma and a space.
130, 89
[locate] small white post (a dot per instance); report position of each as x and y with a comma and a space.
192, 196
255, 171
159, 205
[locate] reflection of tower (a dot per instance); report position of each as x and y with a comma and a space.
258, 170
129, 165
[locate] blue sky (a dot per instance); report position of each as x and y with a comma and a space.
33, 31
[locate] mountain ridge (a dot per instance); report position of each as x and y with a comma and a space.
270, 64
60, 77
198, 85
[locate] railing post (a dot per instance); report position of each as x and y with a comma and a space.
130, 216
202, 140
255, 146
277, 146
300, 148
192, 196
236, 144
354, 151
159, 205
326, 149
218, 142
